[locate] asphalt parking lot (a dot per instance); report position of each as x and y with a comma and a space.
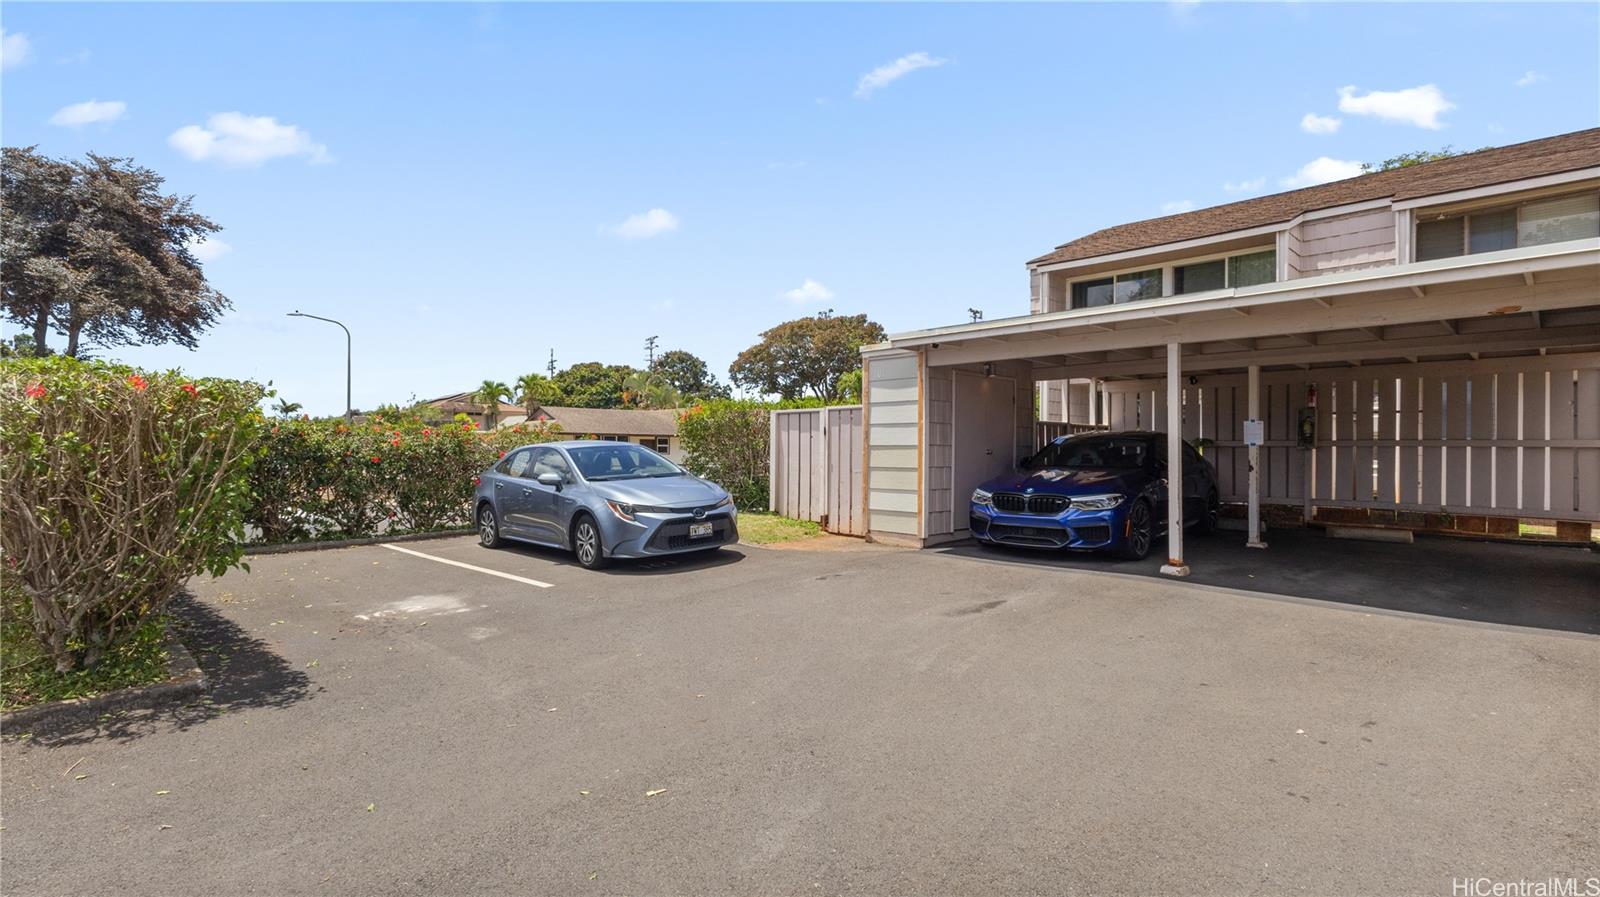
862, 720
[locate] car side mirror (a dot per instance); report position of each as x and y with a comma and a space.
553, 480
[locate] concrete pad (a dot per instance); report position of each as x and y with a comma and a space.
1371, 534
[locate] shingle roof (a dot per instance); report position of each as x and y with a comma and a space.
1550, 155
612, 421
463, 402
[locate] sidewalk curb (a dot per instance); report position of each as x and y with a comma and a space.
286, 547
185, 681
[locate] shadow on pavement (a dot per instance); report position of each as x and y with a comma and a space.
658, 566
1542, 586
242, 671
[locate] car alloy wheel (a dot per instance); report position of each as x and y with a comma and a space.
1138, 540
488, 530
586, 544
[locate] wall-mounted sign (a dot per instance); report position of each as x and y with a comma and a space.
1254, 432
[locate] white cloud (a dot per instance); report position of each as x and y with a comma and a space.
1177, 206
209, 250
89, 112
1313, 123
15, 49
79, 58
1420, 106
1530, 78
644, 225
884, 75
1249, 186
233, 138
1322, 170
810, 291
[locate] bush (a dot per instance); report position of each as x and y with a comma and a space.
727, 441
116, 486
325, 480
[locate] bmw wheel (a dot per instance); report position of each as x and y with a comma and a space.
1212, 513
488, 528
1140, 532
586, 544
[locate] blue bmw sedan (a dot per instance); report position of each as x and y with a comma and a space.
1103, 491
601, 500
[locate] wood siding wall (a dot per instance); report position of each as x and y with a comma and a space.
1516, 437
1342, 243
894, 403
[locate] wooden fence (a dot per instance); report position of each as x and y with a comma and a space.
1515, 437
816, 467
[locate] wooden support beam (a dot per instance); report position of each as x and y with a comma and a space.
1450, 327
1419, 292
1527, 278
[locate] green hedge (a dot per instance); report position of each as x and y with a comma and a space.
116, 485
323, 480
727, 441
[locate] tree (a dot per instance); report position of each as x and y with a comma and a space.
534, 390
489, 395
284, 407
806, 355
850, 386
1406, 160
590, 384
648, 389
94, 250
686, 373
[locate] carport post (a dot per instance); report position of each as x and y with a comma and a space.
1174, 565
1254, 537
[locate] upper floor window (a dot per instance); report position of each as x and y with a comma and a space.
1245, 270
1529, 224
1121, 288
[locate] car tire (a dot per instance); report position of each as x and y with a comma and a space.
1141, 530
587, 544
488, 527
1207, 523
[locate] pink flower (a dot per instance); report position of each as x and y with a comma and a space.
37, 391
189, 388
376, 459
502, 454
395, 443
137, 382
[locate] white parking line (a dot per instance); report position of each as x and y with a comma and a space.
514, 578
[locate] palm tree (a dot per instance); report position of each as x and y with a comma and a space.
286, 407
534, 390
647, 389
489, 395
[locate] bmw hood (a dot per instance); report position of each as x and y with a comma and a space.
1062, 481
671, 492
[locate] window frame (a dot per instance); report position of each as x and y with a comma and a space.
1169, 275
1420, 216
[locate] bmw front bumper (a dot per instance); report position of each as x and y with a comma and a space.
1083, 530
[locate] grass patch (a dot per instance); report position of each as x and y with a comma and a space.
761, 528
27, 676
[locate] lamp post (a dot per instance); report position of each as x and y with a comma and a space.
349, 410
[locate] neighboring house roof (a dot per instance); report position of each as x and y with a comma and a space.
611, 421
1550, 155
463, 402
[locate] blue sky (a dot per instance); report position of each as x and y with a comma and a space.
470, 185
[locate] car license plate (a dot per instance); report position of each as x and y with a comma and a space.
700, 530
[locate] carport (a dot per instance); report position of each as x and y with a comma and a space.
1463, 386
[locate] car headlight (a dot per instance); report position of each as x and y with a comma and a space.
1096, 502
983, 497
727, 502
622, 509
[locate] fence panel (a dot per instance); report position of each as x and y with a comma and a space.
816, 467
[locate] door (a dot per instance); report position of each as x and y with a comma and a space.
984, 435
549, 507
511, 493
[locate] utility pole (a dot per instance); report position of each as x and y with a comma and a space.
977, 314
650, 351
551, 367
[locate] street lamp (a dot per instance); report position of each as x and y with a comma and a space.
349, 410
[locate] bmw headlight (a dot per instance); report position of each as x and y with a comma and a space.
1097, 502
983, 498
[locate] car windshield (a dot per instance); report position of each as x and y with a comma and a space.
623, 461
1102, 452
